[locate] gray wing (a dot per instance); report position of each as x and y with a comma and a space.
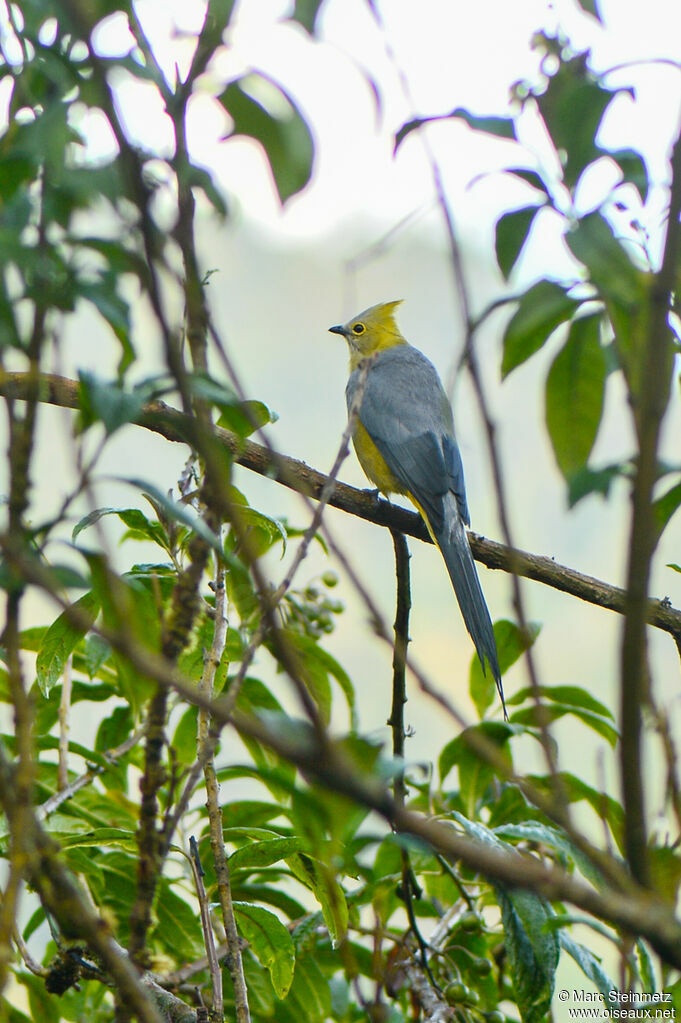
407, 415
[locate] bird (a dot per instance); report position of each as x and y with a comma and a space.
403, 436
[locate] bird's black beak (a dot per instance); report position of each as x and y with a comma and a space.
337, 330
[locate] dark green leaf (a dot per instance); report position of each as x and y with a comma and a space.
107, 402
575, 696
319, 878
575, 790
591, 7
114, 309
475, 773
511, 234
572, 107
310, 996
589, 964
587, 481
197, 177
139, 526
575, 391
178, 512
533, 952
178, 929
633, 168
511, 644
530, 177
532, 716
541, 309
501, 127
61, 639
261, 110
306, 12
262, 854
646, 967
610, 268
270, 942
666, 505
553, 838
531, 945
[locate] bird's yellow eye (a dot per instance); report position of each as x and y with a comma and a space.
358, 328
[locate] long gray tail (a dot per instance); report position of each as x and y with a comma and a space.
453, 542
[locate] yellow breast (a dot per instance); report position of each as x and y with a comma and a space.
374, 464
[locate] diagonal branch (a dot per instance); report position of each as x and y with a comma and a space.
296, 475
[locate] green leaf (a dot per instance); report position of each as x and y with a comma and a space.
178, 929
575, 391
646, 967
198, 177
310, 997
107, 402
665, 506
589, 964
585, 481
113, 309
262, 110
139, 526
511, 644
572, 107
306, 12
322, 666
475, 774
531, 945
60, 640
176, 511
314, 670
542, 309
575, 696
530, 177
270, 942
262, 854
575, 790
245, 417
633, 168
501, 127
240, 417
531, 717
511, 234
591, 7
611, 270
546, 834
318, 877
533, 952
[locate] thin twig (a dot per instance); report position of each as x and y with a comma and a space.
205, 748
217, 1008
53, 802
64, 711
403, 605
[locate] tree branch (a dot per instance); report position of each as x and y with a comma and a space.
649, 404
296, 475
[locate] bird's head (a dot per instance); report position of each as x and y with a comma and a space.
371, 331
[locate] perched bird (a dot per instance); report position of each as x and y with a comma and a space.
405, 443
